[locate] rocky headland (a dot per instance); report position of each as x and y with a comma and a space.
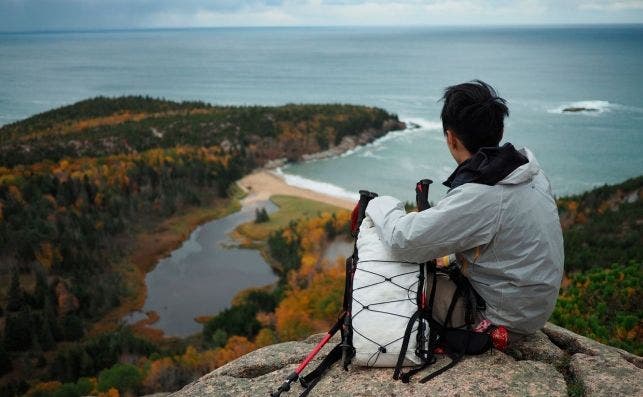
552, 362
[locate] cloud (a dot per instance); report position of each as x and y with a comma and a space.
102, 14
607, 5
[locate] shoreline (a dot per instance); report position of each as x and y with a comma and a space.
260, 185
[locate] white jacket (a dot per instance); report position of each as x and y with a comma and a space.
509, 233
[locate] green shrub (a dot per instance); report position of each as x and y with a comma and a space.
236, 320
124, 377
219, 338
261, 215
68, 390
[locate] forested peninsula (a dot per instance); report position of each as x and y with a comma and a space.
80, 183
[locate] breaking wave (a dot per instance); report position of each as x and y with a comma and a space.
424, 123
316, 186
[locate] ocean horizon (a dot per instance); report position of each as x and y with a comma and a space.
330, 26
540, 70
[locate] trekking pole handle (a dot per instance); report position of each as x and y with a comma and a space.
422, 194
364, 198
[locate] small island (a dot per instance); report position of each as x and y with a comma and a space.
579, 109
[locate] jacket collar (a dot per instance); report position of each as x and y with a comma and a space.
488, 166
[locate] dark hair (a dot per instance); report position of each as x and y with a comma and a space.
475, 113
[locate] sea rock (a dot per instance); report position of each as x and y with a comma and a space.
544, 364
579, 109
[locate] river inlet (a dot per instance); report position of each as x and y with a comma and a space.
201, 277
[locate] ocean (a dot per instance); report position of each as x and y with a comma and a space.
539, 70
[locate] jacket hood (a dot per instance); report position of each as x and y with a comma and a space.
492, 165
525, 172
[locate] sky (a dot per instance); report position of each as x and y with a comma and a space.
38, 15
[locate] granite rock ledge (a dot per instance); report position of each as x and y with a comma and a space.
552, 362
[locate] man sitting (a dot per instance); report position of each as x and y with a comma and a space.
499, 217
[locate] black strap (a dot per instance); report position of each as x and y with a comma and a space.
406, 377
309, 381
427, 355
454, 360
432, 268
421, 339
405, 344
421, 315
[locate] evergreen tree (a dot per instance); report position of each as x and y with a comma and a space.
17, 335
42, 331
49, 313
15, 297
42, 291
72, 327
36, 352
5, 360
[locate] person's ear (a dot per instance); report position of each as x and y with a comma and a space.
452, 141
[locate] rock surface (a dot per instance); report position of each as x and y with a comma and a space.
548, 363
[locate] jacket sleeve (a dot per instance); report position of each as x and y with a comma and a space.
468, 217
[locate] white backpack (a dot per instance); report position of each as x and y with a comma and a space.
384, 299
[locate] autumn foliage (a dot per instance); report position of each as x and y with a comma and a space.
605, 304
313, 295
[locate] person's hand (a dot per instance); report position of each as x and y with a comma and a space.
367, 222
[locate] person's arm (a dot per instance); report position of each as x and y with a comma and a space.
468, 217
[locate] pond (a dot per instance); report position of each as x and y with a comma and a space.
338, 249
201, 277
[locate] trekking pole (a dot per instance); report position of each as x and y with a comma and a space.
422, 203
422, 194
295, 374
342, 322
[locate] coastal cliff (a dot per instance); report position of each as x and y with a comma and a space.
552, 362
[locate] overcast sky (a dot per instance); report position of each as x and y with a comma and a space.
19, 15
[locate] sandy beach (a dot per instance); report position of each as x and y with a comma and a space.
262, 184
